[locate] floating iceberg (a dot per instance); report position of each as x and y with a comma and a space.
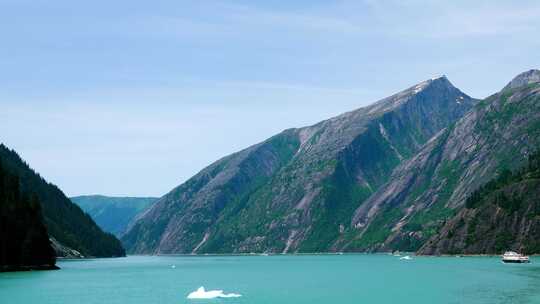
211, 294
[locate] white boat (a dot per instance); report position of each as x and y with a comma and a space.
514, 257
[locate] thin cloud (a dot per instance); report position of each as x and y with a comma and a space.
456, 19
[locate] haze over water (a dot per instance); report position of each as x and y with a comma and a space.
279, 279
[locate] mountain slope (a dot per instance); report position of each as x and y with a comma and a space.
432, 186
297, 191
113, 214
24, 243
502, 215
65, 221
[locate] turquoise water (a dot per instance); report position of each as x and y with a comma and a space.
279, 279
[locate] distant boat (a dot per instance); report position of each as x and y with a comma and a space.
514, 257
405, 258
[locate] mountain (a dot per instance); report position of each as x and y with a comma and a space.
113, 214
66, 223
432, 186
503, 214
24, 243
298, 190
524, 79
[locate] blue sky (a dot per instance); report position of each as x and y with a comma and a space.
134, 97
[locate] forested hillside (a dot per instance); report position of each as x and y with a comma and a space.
65, 221
113, 214
503, 214
24, 243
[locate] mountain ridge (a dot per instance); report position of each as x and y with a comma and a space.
525, 78
287, 173
24, 242
113, 213
65, 221
431, 186
503, 214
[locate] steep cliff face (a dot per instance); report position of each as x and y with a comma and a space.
298, 190
503, 214
180, 220
431, 186
509, 219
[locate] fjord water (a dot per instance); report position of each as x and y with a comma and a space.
279, 279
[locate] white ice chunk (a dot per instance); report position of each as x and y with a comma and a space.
211, 294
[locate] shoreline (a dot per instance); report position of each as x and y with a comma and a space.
28, 268
317, 254
87, 258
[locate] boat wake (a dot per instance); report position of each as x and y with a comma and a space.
201, 293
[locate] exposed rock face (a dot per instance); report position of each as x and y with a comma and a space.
431, 186
508, 219
65, 252
503, 214
298, 190
523, 79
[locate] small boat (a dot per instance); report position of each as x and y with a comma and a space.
514, 257
405, 258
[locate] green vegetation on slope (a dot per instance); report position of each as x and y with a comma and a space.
298, 191
430, 188
241, 216
500, 215
505, 178
65, 221
113, 214
24, 243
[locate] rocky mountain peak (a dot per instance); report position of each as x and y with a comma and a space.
437, 83
441, 80
525, 78
433, 86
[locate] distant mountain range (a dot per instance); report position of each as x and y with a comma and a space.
385, 177
30, 205
113, 214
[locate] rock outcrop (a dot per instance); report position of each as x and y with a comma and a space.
432, 185
502, 215
297, 191
380, 178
